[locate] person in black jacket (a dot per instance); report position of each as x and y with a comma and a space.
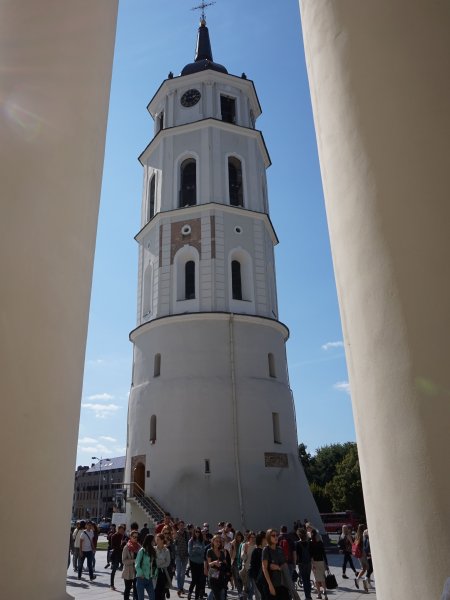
303, 552
255, 569
319, 563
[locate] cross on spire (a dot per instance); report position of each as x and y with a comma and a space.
202, 7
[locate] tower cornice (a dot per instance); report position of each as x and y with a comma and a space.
192, 211
174, 83
202, 124
209, 316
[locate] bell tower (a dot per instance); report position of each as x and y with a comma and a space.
211, 419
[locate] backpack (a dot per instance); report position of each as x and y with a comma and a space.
285, 546
356, 550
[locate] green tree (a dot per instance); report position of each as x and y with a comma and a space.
345, 489
305, 459
321, 497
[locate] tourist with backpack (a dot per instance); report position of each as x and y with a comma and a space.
146, 569
359, 553
287, 543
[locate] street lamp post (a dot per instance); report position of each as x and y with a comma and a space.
99, 482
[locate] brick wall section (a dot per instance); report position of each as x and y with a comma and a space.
178, 240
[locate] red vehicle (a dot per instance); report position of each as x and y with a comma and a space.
333, 521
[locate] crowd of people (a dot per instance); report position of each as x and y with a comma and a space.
263, 565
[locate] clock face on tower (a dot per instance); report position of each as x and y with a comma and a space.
190, 98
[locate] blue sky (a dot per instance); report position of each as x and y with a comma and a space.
258, 38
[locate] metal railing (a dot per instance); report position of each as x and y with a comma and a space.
149, 504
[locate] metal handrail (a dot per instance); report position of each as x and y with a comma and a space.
147, 502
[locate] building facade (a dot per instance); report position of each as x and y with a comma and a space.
211, 422
97, 493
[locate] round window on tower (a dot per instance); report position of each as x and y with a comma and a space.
238, 229
186, 230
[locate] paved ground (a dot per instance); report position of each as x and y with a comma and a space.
99, 589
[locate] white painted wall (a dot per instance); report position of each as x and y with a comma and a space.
195, 406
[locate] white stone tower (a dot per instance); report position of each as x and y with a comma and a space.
211, 420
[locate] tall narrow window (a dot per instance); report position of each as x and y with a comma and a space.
207, 466
151, 197
235, 182
161, 121
236, 281
276, 428
157, 366
188, 183
153, 429
228, 109
271, 360
189, 280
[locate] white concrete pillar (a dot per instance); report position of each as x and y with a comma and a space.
55, 72
380, 85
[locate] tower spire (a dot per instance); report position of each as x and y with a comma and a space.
202, 7
203, 54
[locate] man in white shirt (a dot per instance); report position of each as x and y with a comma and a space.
87, 550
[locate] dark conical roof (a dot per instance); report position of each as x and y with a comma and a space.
203, 54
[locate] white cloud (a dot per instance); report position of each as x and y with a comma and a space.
342, 386
97, 397
87, 440
101, 411
95, 449
107, 438
328, 345
96, 361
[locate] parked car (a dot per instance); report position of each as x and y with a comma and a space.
103, 526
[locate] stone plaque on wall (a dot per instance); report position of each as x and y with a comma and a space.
276, 459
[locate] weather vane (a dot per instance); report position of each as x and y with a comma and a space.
202, 7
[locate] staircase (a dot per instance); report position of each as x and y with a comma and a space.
148, 504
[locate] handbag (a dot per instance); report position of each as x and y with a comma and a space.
330, 581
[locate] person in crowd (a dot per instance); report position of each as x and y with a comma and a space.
303, 554
145, 565
345, 547
96, 532
359, 553
366, 546
273, 560
246, 556
129, 554
163, 563
71, 545
196, 552
287, 544
181, 555
79, 528
87, 551
218, 568
116, 541
255, 569
235, 556
319, 563
143, 533
111, 532
166, 522
168, 533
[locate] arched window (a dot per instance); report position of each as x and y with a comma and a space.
276, 428
188, 182
147, 291
151, 197
235, 181
271, 361
236, 280
153, 429
189, 280
157, 366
